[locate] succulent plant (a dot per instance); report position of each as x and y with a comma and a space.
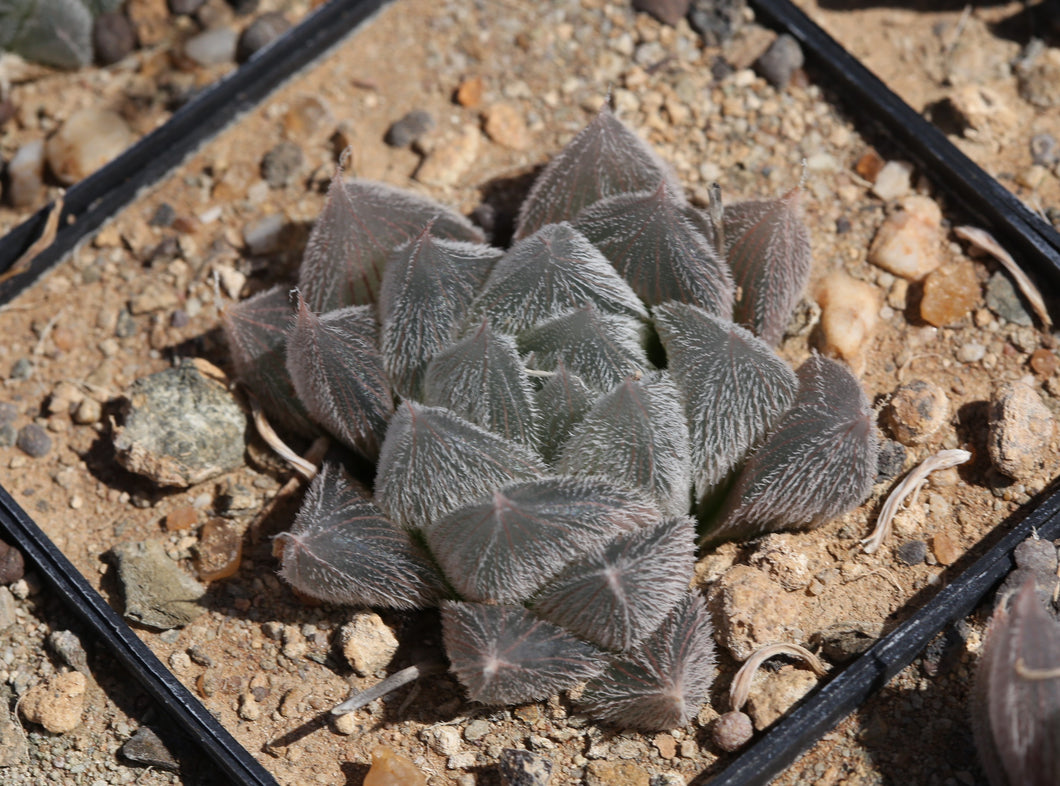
52, 32
544, 419
1016, 697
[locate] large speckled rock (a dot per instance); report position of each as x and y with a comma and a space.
181, 428
56, 704
751, 610
1021, 429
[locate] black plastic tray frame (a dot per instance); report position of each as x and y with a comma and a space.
101, 196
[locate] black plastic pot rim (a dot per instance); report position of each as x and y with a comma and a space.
98, 198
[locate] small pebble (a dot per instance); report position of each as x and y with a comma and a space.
25, 174
1044, 362
390, 768
87, 140
716, 22
611, 773
950, 293
524, 768
56, 704
281, 164
945, 548
916, 411
219, 550
890, 460
158, 593
367, 643
870, 165
469, 92
444, 740
907, 244
212, 47
448, 162
732, 731
504, 124
146, 747
8, 435
970, 352
1003, 299
893, 181
260, 33
21, 369
410, 127
264, 235
849, 310
1020, 431
1044, 149
912, 552
68, 647
780, 61
164, 216
33, 440
113, 37
1039, 81
1036, 555
844, 641
249, 707
12, 566
126, 326
669, 12
476, 730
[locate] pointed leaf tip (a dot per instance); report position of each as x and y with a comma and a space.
342, 549
665, 681
769, 253
338, 373
605, 158
619, 594
505, 547
503, 655
433, 462
819, 462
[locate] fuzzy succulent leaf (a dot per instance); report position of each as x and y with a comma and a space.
662, 684
506, 547
548, 273
604, 159
427, 287
562, 402
602, 349
256, 333
338, 372
360, 226
769, 253
654, 246
342, 549
56, 33
433, 462
1016, 697
734, 386
819, 462
617, 595
482, 379
504, 655
637, 435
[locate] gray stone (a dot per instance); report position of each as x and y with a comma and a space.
780, 61
212, 47
157, 592
890, 460
146, 747
113, 37
844, 641
25, 174
180, 428
1044, 150
8, 435
1003, 299
409, 128
264, 235
1020, 429
260, 33
524, 768
717, 21
126, 326
33, 440
912, 552
21, 369
68, 647
280, 165
8, 412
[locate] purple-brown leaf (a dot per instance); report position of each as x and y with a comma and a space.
769, 253
660, 252
619, 594
562, 402
604, 159
665, 681
360, 226
819, 462
503, 655
427, 287
433, 462
256, 331
342, 549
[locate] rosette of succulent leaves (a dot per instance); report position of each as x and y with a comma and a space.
555, 426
